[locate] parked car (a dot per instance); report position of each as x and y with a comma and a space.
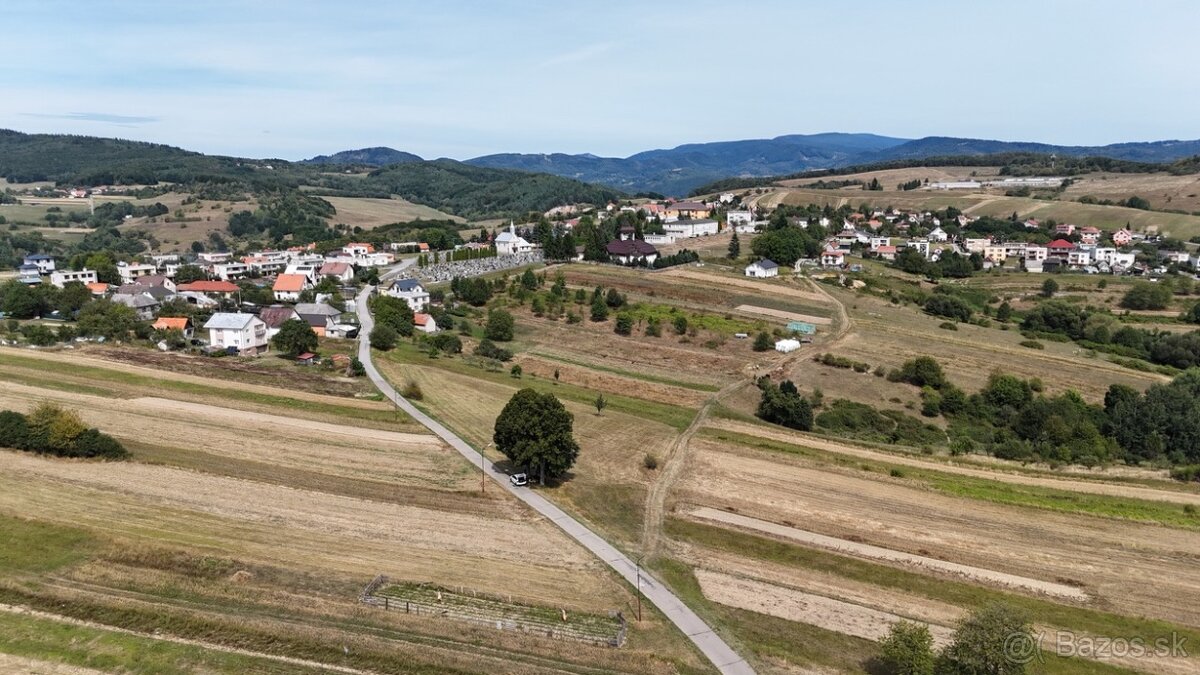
519, 479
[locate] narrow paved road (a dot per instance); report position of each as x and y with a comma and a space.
710, 644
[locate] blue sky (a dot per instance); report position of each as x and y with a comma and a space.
461, 79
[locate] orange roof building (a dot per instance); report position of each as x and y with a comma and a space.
209, 287
179, 323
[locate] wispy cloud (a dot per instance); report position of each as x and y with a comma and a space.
109, 118
576, 55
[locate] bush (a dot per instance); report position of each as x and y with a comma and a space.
447, 342
923, 371
515, 371
1186, 474
908, 649
412, 391
1032, 344
624, 324
948, 325
762, 342
499, 326
53, 430
1147, 295
948, 306
650, 462
488, 349
383, 337
680, 324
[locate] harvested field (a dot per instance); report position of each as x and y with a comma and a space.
318, 532
345, 451
795, 605
19, 664
1066, 551
610, 383
786, 316
369, 213
876, 553
998, 474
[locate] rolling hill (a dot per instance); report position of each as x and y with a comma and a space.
377, 156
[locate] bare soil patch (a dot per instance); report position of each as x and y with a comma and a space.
786, 316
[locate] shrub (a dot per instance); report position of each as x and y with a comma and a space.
383, 337
1032, 344
624, 324
908, 649
923, 371
680, 324
488, 349
650, 462
412, 391
499, 326
948, 325
515, 371
447, 342
762, 342
52, 430
1186, 474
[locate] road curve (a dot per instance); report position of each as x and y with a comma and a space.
710, 644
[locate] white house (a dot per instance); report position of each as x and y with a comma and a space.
832, 258
1037, 252
245, 333
60, 278
214, 257
685, 229
288, 287
410, 291
131, 271
1079, 257
508, 243
424, 323
919, 245
937, 234
43, 262
229, 271
735, 218
341, 272
762, 269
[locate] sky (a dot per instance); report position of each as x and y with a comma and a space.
452, 78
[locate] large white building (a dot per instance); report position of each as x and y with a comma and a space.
245, 333
685, 229
60, 278
762, 269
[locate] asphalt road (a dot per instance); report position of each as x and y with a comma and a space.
710, 644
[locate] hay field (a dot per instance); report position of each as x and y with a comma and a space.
371, 213
1163, 190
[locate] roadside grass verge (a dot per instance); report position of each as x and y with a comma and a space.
964, 595
970, 487
143, 383
674, 416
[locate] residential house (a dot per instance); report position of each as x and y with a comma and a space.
886, 252
876, 242
424, 323
310, 271
1032, 224
1035, 265
995, 253
320, 316
222, 289
977, 245
244, 334
228, 271
180, 323
156, 281
1060, 248
632, 252
97, 288
274, 317
160, 293
762, 269
144, 304
288, 287
509, 243
358, 249
1122, 237
131, 271
410, 291
1080, 257
44, 263
163, 259
919, 245
937, 234
29, 274
833, 258
214, 257
1036, 252
341, 272
686, 211
84, 276
1064, 229
1089, 235
735, 218
685, 228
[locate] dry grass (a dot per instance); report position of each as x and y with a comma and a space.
371, 213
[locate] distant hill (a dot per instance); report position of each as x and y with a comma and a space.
379, 156
678, 170
682, 169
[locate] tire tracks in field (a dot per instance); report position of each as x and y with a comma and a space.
673, 464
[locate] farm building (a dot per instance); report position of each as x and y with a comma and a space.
802, 327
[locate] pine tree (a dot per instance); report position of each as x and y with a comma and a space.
735, 247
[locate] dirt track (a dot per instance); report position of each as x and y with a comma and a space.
1083, 486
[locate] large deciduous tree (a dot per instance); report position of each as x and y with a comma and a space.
295, 337
534, 430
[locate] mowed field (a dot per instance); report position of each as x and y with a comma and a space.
230, 524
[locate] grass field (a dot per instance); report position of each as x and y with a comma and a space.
371, 213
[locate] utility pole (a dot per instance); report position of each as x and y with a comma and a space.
639, 587
482, 470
